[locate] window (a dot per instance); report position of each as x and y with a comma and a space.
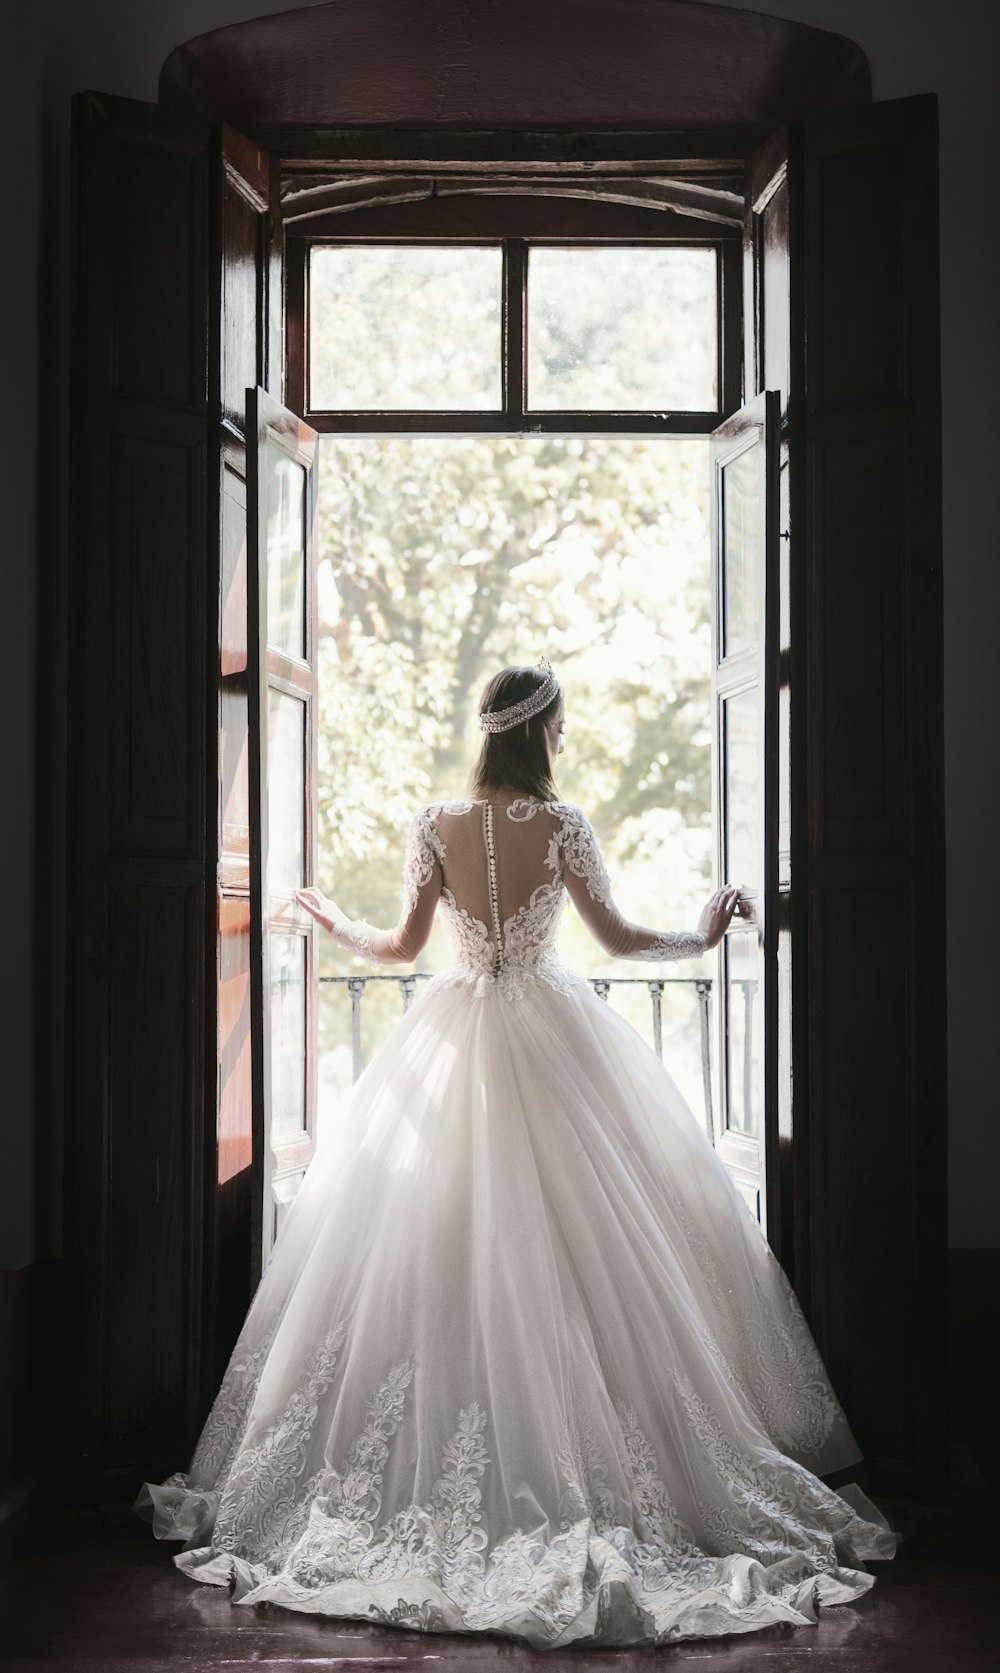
156, 806
516, 333
513, 462
411, 328
405, 327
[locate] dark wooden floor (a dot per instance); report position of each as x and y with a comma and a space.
105, 1597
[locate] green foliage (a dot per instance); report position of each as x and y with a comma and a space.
443, 559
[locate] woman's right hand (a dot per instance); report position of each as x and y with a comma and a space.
717, 912
319, 905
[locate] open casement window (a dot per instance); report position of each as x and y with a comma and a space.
744, 690
244, 349
282, 577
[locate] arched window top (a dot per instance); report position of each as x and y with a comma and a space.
472, 62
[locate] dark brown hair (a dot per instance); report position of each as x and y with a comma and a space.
520, 756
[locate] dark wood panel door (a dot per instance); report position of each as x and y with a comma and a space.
139, 861
282, 579
841, 263
868, 841
841, 310
744, 563
176, 256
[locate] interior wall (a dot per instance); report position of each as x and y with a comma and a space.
21, 104
116, 46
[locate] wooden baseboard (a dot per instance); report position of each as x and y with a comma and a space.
36, 1403
17, 1496
973, 1369
20, 1520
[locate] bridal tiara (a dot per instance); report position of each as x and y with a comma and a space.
501, 720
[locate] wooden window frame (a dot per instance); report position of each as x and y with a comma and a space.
514, 416
655, 185
479, 218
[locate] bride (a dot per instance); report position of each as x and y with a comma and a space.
522, 1361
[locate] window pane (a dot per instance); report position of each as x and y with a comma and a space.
625, 330
398, 328
743, 512
288, 1035
743, 1033
286, 753
285, 486
442, 559
741, 738
741, 743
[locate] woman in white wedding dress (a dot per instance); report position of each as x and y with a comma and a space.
522, 1360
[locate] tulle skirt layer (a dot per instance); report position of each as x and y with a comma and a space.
523, 1362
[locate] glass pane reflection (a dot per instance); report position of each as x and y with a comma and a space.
741, 736
743, 550
395, 328
288, 1035
743, 1032
742, 788
628, 330
285, 485
286, 761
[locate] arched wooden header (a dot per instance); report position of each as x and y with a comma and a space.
475, 62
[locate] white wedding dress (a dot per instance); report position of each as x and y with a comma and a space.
522, 1360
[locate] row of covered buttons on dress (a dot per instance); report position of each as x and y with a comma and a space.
491, 858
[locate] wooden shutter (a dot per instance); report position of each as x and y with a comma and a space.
177, 309
282, 579
744, 553
140, 864
871, 815
842, 316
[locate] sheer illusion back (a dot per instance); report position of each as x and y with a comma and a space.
500, 869
495, 867
501, 889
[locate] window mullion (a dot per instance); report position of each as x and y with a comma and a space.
514, 366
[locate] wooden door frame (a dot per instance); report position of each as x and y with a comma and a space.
128, 880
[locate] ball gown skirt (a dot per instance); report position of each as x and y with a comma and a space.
522, 1361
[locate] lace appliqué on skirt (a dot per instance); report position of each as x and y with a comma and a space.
777, 1363
318, 1543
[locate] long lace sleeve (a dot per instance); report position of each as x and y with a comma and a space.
422, 882
580, 863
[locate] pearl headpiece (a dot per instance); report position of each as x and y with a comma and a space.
502, 720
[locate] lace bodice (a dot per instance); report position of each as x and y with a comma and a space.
499, 872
